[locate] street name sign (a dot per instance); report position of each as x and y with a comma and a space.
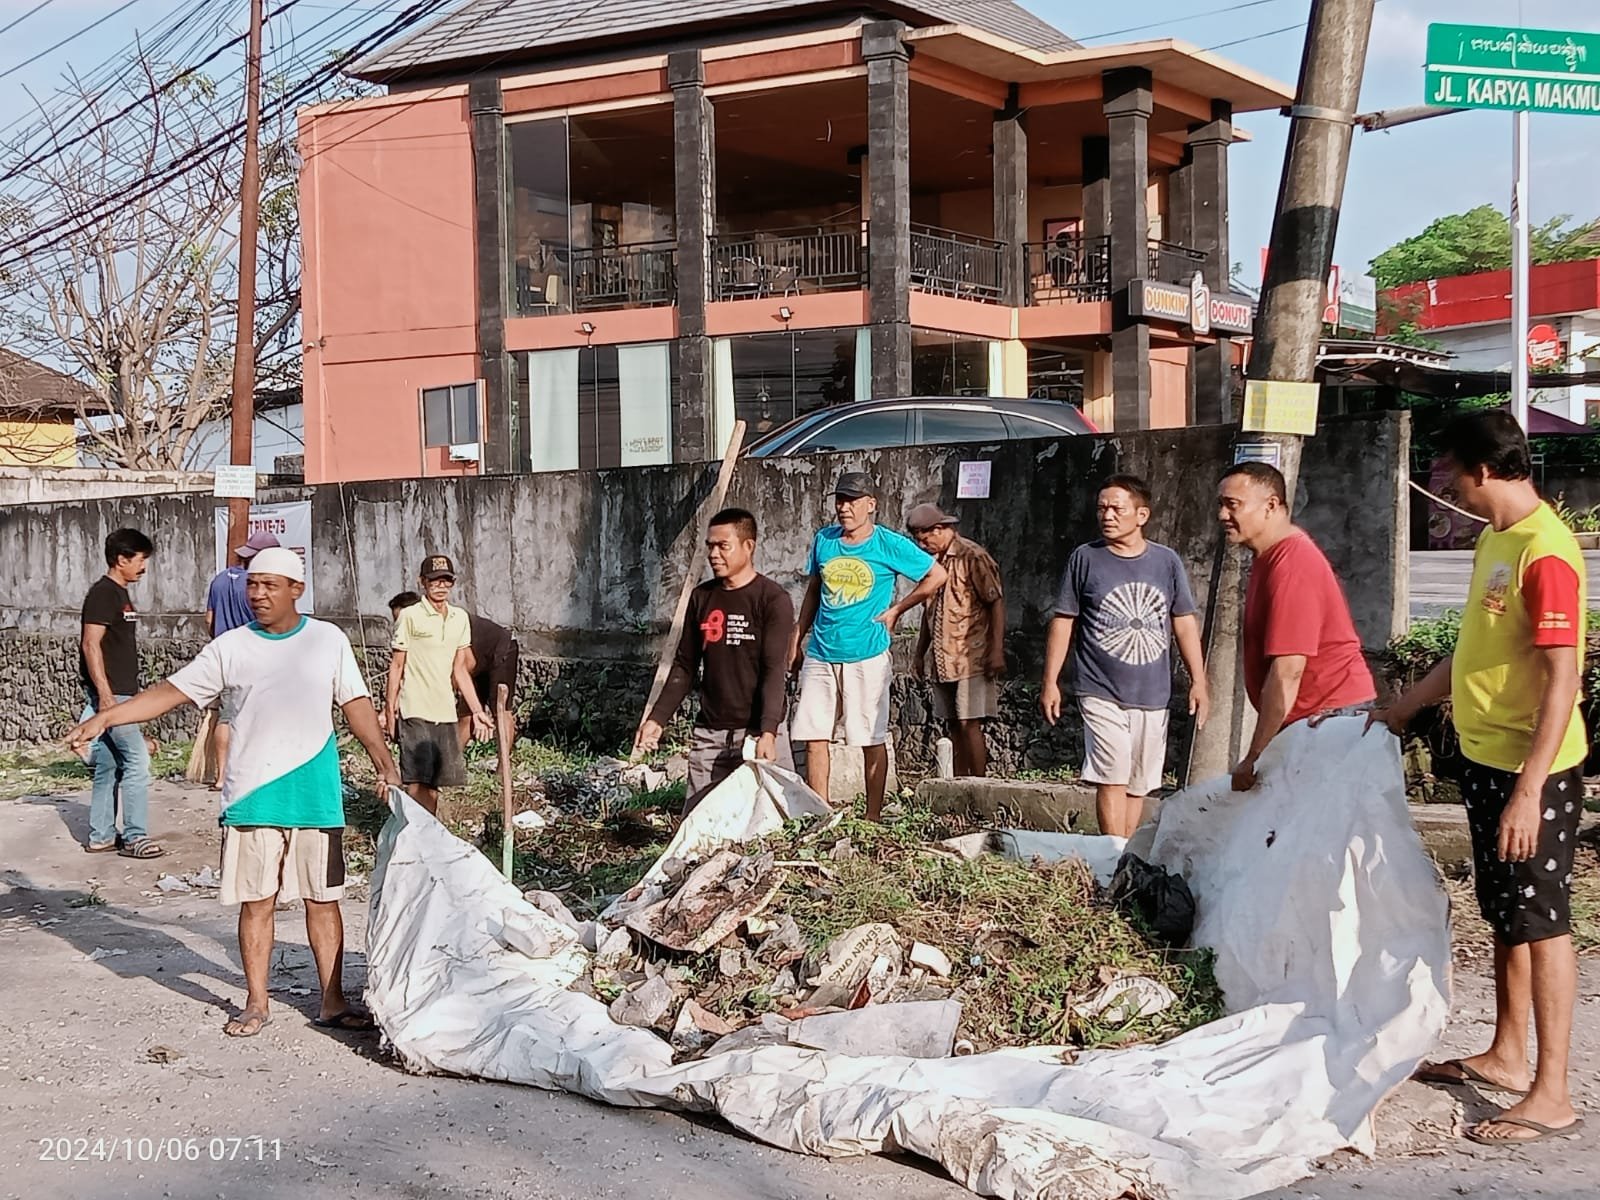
1531, 70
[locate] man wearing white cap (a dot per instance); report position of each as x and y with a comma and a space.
228, 607
282, 804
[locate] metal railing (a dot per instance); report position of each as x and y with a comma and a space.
948, 263
785, 262
639, 275
1068, 270
1172, 263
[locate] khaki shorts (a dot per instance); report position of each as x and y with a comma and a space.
975, 698
1126, 746
263, 861
854, 696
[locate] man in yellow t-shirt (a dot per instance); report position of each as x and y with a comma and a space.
1514, 686
427, 667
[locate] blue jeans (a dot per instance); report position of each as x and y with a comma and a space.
120, 762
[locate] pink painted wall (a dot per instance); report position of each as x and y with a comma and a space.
389, 290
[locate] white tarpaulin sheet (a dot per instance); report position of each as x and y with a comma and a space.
1326, 915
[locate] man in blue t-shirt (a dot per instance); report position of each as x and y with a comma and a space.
841, 645
1124, 601
228, 607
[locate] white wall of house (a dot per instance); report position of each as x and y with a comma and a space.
1488, 348
278, 431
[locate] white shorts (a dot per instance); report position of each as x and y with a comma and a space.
1126, 746
852, 695
263, 861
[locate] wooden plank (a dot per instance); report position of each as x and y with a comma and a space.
691, 578
505, 734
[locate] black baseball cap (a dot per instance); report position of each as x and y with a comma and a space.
437, 566
853, 485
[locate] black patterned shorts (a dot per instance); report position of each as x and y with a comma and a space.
1531, 900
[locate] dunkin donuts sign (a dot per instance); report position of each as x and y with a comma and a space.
1196, 306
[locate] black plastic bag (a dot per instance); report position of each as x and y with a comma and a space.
1154, 897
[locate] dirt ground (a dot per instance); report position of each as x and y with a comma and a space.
112, 1000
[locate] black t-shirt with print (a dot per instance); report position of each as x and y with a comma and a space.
109, 604
736, 640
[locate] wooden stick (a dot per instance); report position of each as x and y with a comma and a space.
504, 735
691, 578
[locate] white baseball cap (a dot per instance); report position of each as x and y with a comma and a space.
278, 560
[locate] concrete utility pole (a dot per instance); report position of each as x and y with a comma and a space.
1288, 326
242, 449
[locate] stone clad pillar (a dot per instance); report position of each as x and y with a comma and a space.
1128, 104
1208, 149
694, 195
1011, 199
889, 190
502, 431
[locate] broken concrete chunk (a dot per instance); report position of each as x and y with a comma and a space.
696, 1028
924, 1029
645, 1006
1127, 999
617, 948
171, 883
930, 958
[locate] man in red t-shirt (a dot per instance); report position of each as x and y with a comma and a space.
1302, 657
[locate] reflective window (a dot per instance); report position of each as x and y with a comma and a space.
943, 364
450, 415
780, 376
956, 425
863, 431
541, 241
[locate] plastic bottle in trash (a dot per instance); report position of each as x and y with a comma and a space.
945, 753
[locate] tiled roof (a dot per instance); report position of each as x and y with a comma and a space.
28, 387
506, 29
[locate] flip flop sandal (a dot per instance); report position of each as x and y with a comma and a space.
262, 1020
101, 847
1468, 1077
349, 1021
1540, 1132
142, 848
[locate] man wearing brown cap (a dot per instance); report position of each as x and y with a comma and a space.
841, 645
427, 669
964, 624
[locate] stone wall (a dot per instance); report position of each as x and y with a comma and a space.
586, 567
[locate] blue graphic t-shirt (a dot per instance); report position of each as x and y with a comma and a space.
228, 601
857, 587
1122, 634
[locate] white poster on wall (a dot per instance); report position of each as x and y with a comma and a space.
644, 377
289, 523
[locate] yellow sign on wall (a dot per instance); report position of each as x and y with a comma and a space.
1276, 406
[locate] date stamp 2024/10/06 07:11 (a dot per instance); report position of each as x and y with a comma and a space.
159, 1149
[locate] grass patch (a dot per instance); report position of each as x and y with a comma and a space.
40, 771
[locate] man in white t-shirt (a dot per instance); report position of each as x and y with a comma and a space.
282, 803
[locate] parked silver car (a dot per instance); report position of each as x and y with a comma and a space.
921, 421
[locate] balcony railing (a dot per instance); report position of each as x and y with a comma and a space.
1069, 270
1172, 263
948, 263
786, 262
639, 275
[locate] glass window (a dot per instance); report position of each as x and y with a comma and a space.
861, 431
959, 425
541, 243
596, 407
450, 415
780, 376
1027, 427
943, 364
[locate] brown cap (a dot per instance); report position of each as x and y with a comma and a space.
929, 516
437, 566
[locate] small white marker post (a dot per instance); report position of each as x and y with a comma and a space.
1519, 267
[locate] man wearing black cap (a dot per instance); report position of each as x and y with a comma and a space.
427, 669
964, 624
846, 622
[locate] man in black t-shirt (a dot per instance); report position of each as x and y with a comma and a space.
108, 664
735, 640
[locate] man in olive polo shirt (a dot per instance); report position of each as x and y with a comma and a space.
427, 669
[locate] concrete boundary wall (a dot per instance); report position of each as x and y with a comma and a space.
586, 566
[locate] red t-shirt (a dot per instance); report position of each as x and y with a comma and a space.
1294, 605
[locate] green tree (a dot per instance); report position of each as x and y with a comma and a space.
1480, 240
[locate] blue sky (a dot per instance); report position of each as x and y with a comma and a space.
1399, 181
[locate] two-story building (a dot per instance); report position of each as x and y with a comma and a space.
582, 234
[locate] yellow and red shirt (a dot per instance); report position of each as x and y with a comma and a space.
1529, 590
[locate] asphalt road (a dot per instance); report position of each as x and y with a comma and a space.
1439, 579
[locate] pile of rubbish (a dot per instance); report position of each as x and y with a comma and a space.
837, 933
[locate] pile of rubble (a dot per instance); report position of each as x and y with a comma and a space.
841, 934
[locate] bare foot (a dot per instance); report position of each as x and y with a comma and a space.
247, 1024
1479, 1069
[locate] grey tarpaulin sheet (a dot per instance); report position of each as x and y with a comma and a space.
1326, 915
